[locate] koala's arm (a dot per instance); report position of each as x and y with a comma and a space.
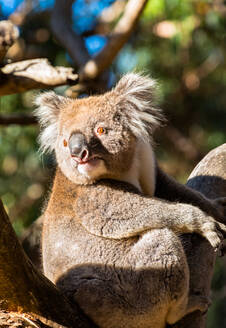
169, 189
115, 211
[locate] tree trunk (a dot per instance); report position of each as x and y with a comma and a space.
209, 177
25, 294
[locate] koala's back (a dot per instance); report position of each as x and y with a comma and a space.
118, 283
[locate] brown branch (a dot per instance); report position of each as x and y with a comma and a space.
112, 13
17, 118
8, 34
117, 39
61, 27
26, 292
34, 74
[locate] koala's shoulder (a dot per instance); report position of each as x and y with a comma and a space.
63, 193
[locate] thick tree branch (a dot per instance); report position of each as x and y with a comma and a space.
27, 293
34, 74
209, 177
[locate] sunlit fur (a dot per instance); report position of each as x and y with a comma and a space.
129, 108
136, 94
48, 106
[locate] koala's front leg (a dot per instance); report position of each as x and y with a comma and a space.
169, 189
119, 212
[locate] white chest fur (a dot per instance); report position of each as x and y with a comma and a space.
142, 171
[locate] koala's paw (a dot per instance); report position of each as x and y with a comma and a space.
220, 206
198, 302
214, 232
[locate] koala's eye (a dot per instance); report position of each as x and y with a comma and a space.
101, 130
65, 143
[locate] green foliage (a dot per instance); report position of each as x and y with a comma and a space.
22, 176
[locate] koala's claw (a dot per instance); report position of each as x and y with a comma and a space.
222, 250
220, 205
221, 200
198, 302
214, 232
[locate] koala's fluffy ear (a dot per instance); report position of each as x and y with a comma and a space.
47, 112
135, 94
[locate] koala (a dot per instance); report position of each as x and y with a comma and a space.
108, 242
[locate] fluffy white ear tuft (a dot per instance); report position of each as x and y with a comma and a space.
136, 95
47, 112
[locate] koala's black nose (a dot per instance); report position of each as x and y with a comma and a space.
78, 146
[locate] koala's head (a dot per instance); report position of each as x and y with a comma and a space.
97, 137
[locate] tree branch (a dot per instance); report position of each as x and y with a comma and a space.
26, 293
117, 39
61, 26
15, 118
34, 74
92, 68
209, 177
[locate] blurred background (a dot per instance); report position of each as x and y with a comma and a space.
180, 43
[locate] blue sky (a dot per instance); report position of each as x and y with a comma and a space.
85, 14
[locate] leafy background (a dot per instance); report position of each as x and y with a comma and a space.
180, 43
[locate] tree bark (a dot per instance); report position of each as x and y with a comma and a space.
25, 294
209, 177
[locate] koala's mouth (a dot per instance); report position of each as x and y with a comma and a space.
91, 167
92, 160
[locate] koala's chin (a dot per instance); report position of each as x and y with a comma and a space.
93, 169
86, 173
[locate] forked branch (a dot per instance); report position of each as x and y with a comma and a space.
118, 37
92, 68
